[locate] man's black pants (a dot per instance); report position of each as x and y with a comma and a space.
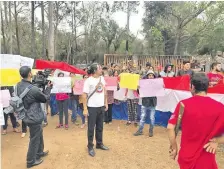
108, 114
95, 118
36, 145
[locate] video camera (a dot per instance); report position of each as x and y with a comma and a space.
41, 78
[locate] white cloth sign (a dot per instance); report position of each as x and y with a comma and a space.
9, 61
151, 87
2, 119
4, 98
61, 85
217, 97
120, 94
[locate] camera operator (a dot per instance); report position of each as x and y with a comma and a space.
34, 116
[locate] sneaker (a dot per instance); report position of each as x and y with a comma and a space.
23, 135
45, 124
110, 123
138, 133
150, 134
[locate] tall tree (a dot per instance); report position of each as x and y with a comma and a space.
10, 28
43, 31
128, 7
33, 44
51, 55
17, 28
3, 31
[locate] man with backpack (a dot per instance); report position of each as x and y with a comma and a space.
32, 97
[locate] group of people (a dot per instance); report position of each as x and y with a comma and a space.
95, 106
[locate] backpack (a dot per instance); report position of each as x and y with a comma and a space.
16, 104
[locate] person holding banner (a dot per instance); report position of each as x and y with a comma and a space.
96, 96
214, 76
148, 108
62, 101
202, 125
12, 116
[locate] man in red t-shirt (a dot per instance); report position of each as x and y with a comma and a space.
202, 128
214, 76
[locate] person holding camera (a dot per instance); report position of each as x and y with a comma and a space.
34, 115
96, 96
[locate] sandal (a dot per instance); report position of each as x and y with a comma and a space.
4, 132
59, 126
15, 130
66, 127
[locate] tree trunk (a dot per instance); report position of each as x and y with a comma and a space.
3, 33
128, 18
177, 42
33, 49
10, 29
6, 14
51, 32
75, 31
17, 29
72, 37
56, 28
86, 38
43, 31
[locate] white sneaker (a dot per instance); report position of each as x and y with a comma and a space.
23, 135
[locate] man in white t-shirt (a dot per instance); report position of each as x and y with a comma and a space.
94, 88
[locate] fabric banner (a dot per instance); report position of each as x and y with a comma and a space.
151, 87
61, 85
9, 77
217, 97
2, 119
129, 81
177, 83
44, 64
111, 83
120, 94
217, 89
9, 61
4, 98
78, 87
169, 101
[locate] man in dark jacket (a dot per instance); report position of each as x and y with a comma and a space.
34, 116
148, 107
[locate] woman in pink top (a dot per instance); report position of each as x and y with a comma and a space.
62, 102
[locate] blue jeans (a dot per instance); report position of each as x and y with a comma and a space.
80, 112
74, 107
150, 111
43, 107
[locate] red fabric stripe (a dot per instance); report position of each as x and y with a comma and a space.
177, 83
44, 64
219, 89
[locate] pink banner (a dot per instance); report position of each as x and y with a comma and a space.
4, 98
151, 87
111, 83
78, 87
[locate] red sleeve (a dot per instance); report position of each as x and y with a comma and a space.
174, 116
209, 75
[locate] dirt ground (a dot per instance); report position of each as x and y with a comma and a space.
68, 149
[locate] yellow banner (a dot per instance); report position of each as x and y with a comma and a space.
10, 77
129, 81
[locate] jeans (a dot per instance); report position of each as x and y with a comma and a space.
108, 114
43, 107
36, 145
74, 106
150, 111
80, 112
13, 120
63, 109
24, 127
95, 121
